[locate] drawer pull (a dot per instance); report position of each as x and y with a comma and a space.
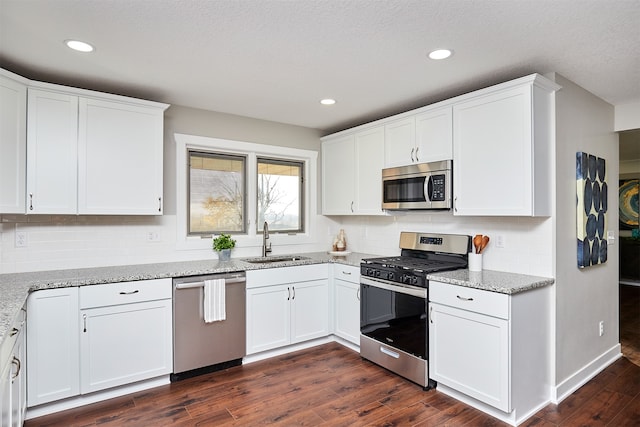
130, 292
348, 273
18, 365
389, 352
14, 332
84, 323
463, 298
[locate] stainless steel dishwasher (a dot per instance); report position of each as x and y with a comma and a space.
200, 347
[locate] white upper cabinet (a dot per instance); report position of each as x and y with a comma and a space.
434, 135
13, 142
421, 138
352, 173
400, 142
502, 141
52, 153
86, 152
119, 158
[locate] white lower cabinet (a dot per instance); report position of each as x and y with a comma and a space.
82, 340
346, 285
492, 347
286, 306
13, 375
122, 344
53, 349
470, 354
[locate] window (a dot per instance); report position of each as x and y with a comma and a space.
216, 193
231, 187
279, 192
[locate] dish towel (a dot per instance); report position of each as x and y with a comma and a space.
214, 305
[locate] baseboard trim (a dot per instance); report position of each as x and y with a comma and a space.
98, 396
585, 374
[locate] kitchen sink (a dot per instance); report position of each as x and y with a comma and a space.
272, 259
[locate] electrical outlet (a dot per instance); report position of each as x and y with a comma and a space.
21, 239
153, 236
601, 328
500, 241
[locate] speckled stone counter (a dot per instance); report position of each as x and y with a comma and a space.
494, 281
14, 288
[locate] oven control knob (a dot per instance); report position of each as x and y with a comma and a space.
368, 272
391, 275
377, 273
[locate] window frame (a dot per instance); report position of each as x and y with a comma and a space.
301, 210
252, 238
245, 173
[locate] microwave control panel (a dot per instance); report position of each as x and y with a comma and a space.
437, 188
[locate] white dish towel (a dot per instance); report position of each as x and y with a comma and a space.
214, 305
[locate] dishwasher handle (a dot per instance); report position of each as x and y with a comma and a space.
200, 284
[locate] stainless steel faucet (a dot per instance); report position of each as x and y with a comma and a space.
265, 235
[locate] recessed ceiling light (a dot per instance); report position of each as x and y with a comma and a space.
79, 46
327, 101
440, 54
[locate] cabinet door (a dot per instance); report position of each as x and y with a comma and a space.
469, 352
5, 392
310, 310
492, 154
369, 161
120, 150
400, 142
268, 318
347, 310
53, 349
13, 145
338, 175
125, 343
18, 382
434, 136
52, 153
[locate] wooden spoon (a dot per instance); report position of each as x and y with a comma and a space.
485, 242
477, 241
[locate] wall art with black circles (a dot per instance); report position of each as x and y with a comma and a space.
591, 204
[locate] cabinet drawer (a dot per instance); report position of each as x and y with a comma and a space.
476, 300
348, 273
124, 293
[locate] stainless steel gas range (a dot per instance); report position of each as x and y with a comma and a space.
394, 297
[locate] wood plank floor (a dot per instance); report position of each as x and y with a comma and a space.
330, 385
630, 322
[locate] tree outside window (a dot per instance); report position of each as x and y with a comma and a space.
280, 195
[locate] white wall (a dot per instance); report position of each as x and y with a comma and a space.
584, 297
627, 116
60, 242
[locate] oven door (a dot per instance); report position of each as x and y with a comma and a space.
394, 315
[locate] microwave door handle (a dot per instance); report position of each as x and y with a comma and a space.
428, 189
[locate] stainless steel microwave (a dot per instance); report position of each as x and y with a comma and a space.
417, 186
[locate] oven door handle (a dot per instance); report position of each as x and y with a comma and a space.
416, 292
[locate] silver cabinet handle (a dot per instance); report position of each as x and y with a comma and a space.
348, 273
352, 206
14, 332
159, 204
412, 154
455, 204
288, 294
294, 292
130, 292
358, 294
417, 159
30, 201
84, 322
463, 298
18, 366
431, 314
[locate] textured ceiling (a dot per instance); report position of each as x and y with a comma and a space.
274, 59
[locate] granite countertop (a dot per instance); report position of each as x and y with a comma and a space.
494, 281
15, 287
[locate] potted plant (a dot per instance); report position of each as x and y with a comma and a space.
223, 245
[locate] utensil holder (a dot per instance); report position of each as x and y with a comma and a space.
475, 262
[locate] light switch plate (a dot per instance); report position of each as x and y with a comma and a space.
611, 237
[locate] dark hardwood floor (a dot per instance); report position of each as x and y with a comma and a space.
330, 385
630, 322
